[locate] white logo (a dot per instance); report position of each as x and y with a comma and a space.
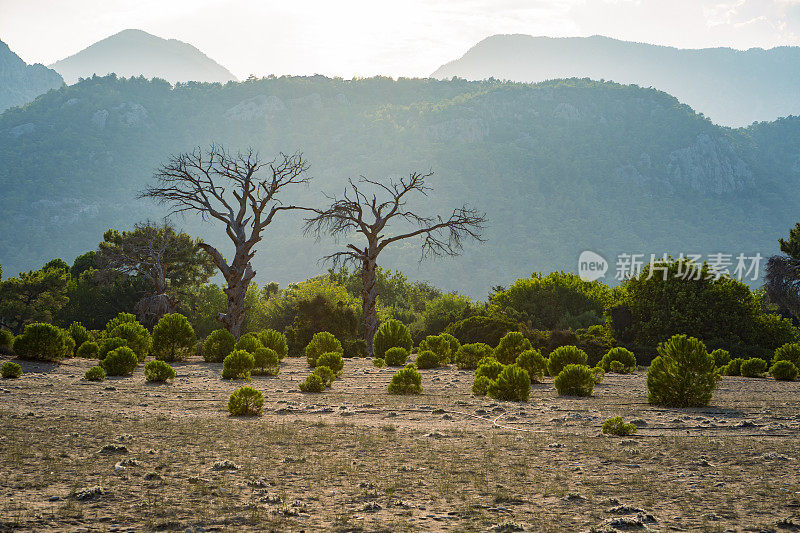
591, 266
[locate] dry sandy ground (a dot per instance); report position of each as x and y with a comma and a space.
124, 455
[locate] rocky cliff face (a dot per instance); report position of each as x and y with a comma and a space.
21, 83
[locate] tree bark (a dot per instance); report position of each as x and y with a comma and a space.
237, 276
369, 297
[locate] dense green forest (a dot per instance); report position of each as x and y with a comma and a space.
559, 167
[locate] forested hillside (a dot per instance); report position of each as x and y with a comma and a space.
19, 82
559, 167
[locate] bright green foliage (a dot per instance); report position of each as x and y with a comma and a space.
391, 334
489, 368
481, 329
783, 370
788, 352
721, 357
266, 362
121, 318
534, 364
617, 367
96, 373
35, 296
513, 344
158, 371
753, 368
69, 343
513, 384
378, 362
89, 350
575, 380
274, 340
468, 356
218, 345
598, 374
10, 370
322, 342
137, 337
683, 374
40, 341
332, 360
78, 333
6, 339
238, 365
173, 338
313, 383
734, 368
327, 375
249, 342
480, 385
406, 381
246, 401
623, 356
563, 356
120, 361
427, 359
444, 310
396, 356
108, 344
617, 426
440, 345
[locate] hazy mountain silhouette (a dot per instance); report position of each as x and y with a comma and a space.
19, 82
135, 52
733, 88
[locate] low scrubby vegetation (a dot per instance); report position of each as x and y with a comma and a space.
246, 401
406, 381
158, 371
683, 375
618, 427
238, 365
574, 380
10, 370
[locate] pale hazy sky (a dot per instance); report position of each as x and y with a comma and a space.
395, 38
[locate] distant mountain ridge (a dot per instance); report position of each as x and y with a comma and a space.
733, 88
20, 83
135, 52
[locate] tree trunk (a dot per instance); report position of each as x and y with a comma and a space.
238, 277
369, 297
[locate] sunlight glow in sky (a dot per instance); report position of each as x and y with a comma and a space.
366, 37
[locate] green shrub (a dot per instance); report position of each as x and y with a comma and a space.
40, 341
396, 356
108, 344
121, 318
10, 370
734, 368
788, 352
327, 375
534, 363
563, 356
238, 365
454, 345
481, 329
78, 333
69, 343
721, 357
427, 359
513, 384
683, 374
440, 346
378, 362
510, 346
246, 401
625, 357
266, 362
6, 339
406, 381
136, 336
88, 350
391, 334
218, 345
96, 373
173, 338
598, 374
322, 342
274, 340
120, 361
617, 426
313, 383
575, 380
489, 367
249, 342
480, 385
783, 370
754, 367
158, 371
354, 348
468, 355
332, 360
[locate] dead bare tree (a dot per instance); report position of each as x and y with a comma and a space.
365, 214
229, 188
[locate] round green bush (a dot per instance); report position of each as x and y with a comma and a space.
69, 343
734, 368
246, 401
480, 385
454, 344
513, 384
378, 362
753, 367
468, 356
274, 340
108, 344
482, 329
313, 383
327, 375
96, 373
617, 367
322, 342
489, 367
78, 333
563, 356
266, 362
238, 365
396, 356
120, 361
6, 339
575, 380
332, 360
136, 336
721, 357
218, 345
158, 371
173, 338
510, 346
440, 346
788, 352
617, 426
10, 370
534, 364
683, 374
391, 334
427, 359
40, 341
249, 342
89, 350
598, 374
783, 370
122, 318
406, 381
621, 355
